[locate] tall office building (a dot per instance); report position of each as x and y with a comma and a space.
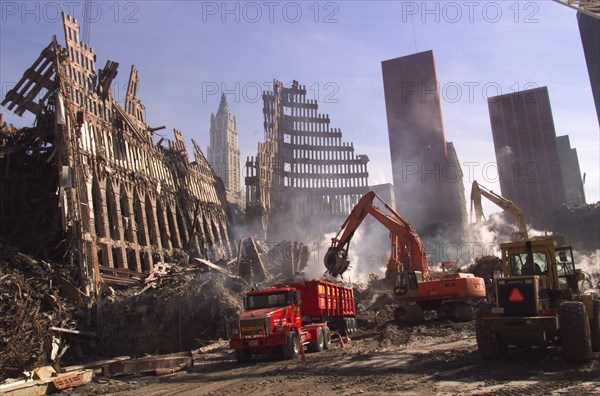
425, 194
223, 152
589, 28
571, 174
525, 145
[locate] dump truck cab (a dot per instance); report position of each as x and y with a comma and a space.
538, 302
284, 318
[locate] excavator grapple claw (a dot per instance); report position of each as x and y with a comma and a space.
336, 261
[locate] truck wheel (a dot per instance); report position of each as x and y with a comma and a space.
575, 339
318, 344
414, 314
595, 326
351, 325
291, 349
342, 325
490, 344
326, 338
242, 355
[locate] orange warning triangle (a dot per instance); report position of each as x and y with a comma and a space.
516, 296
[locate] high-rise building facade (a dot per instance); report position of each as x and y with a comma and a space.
423, 185
571, 174
223, 152
525, 145
589, 28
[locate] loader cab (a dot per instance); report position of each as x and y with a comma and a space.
568, 276
524, 264
540, 256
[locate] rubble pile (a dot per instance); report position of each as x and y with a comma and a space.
580, 225
182, 306
375, 304
30, 304
484, 267
179, 308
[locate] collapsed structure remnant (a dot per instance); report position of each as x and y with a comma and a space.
87, 182
303, 172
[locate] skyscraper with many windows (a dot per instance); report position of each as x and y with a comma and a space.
223, 152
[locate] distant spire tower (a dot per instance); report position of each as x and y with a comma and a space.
223, 152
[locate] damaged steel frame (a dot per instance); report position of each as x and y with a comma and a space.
88, 183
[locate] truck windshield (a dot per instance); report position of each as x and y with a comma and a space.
258, 301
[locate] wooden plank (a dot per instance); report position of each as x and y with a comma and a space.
73, 331
95, 364
211, 265
158, 365
25, 388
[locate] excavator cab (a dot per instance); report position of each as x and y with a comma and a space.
406, 283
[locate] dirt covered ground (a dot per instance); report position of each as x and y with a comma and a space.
438, 357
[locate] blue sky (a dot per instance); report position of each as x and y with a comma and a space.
189, 52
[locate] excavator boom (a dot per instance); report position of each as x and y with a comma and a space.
507, 205
408, 269
407, 247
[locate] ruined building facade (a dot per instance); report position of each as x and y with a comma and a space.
427, 181
304, 175
88, 184
223, 152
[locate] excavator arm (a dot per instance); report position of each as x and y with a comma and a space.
408, 251
507, 205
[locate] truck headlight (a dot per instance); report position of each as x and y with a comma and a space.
235, 332
279, 329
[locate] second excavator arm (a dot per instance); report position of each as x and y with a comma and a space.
509, 206
407, 248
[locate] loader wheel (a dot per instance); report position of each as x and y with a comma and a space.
242, 355
575, 338
326, 338
318, 344
461, 312
490, 344
595, 326
291, 349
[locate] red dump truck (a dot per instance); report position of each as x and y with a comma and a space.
284, 318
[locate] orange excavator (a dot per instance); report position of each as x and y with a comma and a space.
407, 268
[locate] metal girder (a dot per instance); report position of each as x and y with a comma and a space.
589, 7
